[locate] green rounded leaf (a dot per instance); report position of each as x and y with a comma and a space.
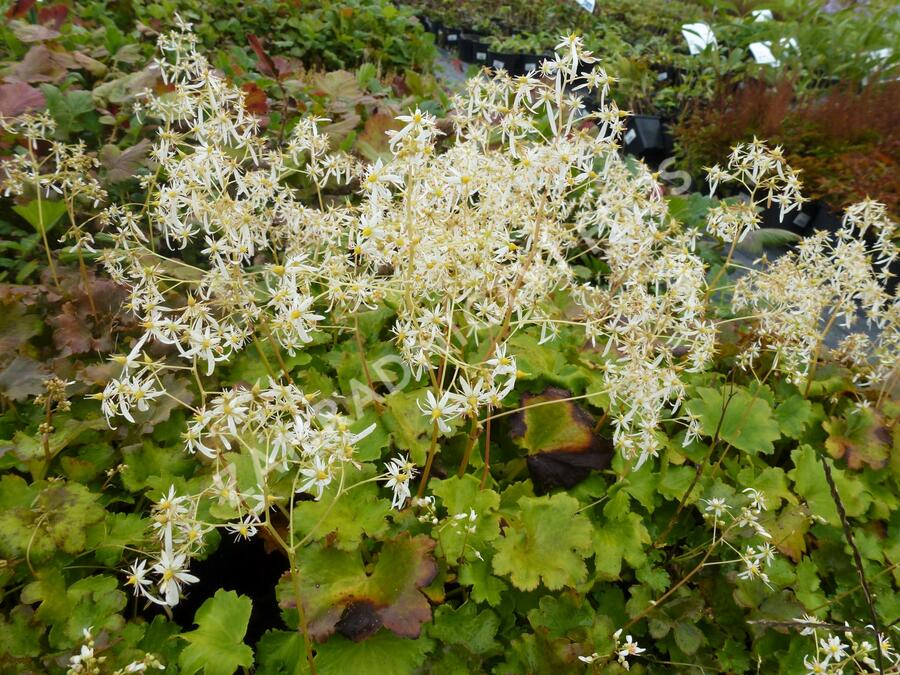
217, 646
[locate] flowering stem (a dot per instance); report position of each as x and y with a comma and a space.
700, 467
290, 551
474, 433
665, 596
814, 361
301, 612
84, 282
432, 451
45, 439
487, 455
262, 355
43, 230
857, 560
276, 349
321, 520
712, 284
365, 365
70, 210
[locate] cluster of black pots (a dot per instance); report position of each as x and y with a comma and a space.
648, 137
473, 47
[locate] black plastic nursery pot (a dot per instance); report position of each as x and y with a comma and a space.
511, 63
668, 75
531, 62
470, 46
799, 222
448, 37
826, 218
644, 135
480, 51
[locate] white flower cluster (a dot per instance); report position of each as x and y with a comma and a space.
66, 172
765, 175
830, 280
754, 558
285, 438
88, 662
833, 656
622, 650
469, 244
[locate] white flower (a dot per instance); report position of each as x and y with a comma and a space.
470, 396
765, 553
231, 408
501, 363
400, 472
757, 499
814, 666
137, 577
166, 513
415, 122
716, 506
244, 528
377, 175
752, 568
440, 411
318, 476
299, 319
170, 569
625, 649
834, 649
809, 629
206, 344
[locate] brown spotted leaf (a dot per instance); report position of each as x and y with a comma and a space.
859, 438
338, 594
71, 333
18, 326
39, 65
560, 439
342, 89
32, 32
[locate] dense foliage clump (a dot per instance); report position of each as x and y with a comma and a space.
454, 388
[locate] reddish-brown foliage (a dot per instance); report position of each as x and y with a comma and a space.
846, 141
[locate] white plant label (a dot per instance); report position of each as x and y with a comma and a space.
453, 37
630, 136
802, 219
586, 5
480, 56
789, 42
499, 64
530, 66
762, 54
698, 36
